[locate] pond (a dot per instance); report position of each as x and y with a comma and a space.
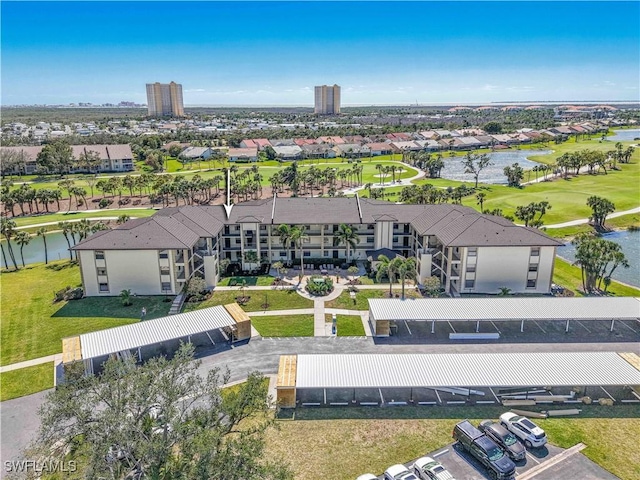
630, 243
454, 170
57, 249
625, 135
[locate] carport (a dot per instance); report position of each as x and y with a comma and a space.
158, 336
449, 379
383, 312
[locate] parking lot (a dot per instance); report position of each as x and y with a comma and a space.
548, 462
534, 331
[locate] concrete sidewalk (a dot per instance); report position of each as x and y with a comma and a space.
57, 358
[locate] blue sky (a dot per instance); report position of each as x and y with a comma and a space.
270, 53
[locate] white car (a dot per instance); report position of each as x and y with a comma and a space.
367, 476
398, 472
426, 468
523, 428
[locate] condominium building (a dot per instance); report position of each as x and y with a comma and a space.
327, 100
165, 99
469, 252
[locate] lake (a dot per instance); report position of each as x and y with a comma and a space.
57, 249
630, 243
625, 135
454, 170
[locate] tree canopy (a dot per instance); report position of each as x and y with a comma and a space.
160, 420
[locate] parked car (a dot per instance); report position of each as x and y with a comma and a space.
367, 476
485, 451
398, 472
426, 468
523, 428
504, 438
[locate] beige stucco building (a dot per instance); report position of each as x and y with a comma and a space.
469, 252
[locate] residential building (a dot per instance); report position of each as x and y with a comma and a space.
113, 158
165, 99
327, 100
469, 252
243, 154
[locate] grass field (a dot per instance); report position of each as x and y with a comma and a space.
277, 300
25, 381
33, 326
348, 442
569, 276
284, 326
348, 325
362, 297
261, 281
61, 217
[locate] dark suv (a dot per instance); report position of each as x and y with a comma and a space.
504, 438
484, 450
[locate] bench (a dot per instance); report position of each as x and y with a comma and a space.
474, 336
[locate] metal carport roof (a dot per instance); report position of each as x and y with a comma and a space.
149, 332
464, 370
500, 309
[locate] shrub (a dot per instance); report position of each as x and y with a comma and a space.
105, 202
124, 201
68, 293
319, 286
196, 290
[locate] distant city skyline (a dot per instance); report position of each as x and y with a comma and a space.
273, 54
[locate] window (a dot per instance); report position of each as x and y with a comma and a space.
471, 268
307, 254
164, 270
531, 283
237, 241
263, 228
164, 254
166, 286
283, 253
99, 255
103, 287
395, 239
263, 240
469, 283
472, 252
535, 251
371, 226
102, 271
370, 240
533, 267
236, 228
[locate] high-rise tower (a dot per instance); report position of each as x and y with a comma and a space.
165, 99
327, 100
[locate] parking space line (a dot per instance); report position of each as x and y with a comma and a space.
533, 458
543, 330
494, 395
440, 453
583, 326
494, 326
454, 330
408, 329
632, 329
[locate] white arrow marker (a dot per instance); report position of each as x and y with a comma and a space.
228, 206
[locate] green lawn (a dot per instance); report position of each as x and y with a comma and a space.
362, 297
569, 276
348, 325
33, 326
25, 381
277, 300
260, 281
61, 217
351, 441
284, 325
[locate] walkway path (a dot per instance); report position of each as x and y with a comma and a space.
582, 221
57, 358
402, 182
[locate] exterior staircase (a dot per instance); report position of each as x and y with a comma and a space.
176, 306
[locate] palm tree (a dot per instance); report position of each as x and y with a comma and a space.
66, 228
122, 219
348, 236
480, 196
284, 232
7, 228
42, 232
386, 268
22, 239
404, 268
298, 235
